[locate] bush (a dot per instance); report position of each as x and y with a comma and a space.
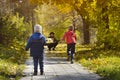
108, 38
13, 28
13, 34
15, 52
8, 68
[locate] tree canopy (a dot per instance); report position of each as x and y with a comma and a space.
102, 15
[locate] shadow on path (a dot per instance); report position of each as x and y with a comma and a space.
57, 68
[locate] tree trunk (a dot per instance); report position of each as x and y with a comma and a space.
86, 33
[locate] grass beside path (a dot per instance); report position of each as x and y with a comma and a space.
9, 70
105, 63
12, 62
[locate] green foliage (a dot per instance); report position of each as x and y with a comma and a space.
13, 27
101, 14
19, 55
106, 67
13, 34
15, 53
109, 37
8, 68
107, 23
102, 62
52, 19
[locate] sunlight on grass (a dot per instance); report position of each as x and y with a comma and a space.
61, 50
108, 67
105, 63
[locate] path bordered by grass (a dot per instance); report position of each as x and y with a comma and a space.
99, 61
58, 68
104, 63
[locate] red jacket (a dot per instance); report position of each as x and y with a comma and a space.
69, 37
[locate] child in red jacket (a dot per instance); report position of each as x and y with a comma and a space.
70, 38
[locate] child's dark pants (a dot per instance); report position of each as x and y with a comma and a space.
36, 60
71, 50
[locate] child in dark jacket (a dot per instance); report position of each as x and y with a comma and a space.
36, 44
54, 43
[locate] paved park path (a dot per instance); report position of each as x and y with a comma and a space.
57, 68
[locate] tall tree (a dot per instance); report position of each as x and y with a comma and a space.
52, 18
101, 14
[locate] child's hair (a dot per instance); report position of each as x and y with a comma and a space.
38, 28
51, 33
70, 27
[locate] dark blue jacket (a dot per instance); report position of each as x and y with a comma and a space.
36, 44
